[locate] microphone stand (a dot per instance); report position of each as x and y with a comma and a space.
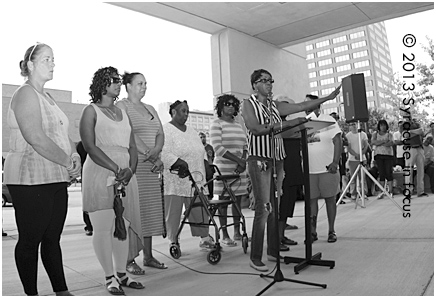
278, 276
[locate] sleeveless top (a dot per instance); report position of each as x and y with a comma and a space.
261, 145
383, 150
23, 164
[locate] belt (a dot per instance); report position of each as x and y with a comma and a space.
415, 147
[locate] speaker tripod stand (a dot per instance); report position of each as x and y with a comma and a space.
362, 170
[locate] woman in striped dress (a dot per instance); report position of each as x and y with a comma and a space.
230, 146
149, 139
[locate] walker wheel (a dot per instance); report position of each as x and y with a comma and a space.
175, 251
213, 257
245, 243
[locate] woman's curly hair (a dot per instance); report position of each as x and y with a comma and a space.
101, 80
222, 99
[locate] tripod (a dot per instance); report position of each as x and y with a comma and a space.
362, 170
278, 276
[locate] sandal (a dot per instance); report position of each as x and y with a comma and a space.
130, 283
154, 263
237, 237
134, 269
228, 242
113, 286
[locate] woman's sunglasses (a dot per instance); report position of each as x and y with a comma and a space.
231, 103
115, 80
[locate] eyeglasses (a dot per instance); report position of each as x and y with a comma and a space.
264, 81
231, 103
115, 80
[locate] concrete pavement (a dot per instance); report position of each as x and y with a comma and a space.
378, 252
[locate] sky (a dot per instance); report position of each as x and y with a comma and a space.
175, 60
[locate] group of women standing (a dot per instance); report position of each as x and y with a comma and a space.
129, 147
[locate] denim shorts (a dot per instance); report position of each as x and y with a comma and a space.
324, 185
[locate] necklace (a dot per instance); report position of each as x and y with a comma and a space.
110, 112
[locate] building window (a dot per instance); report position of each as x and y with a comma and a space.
325, 71
311, 65
375, 54
384, 69
309, 47
206, 120
193, 118
325, 62
369, 83
327, 81
360, 54
369, 93
385, 78
312, 74
324, 53
193, 125
206, 127
340, 78
371, 104
357, 34
315, 93
358, 44
367, 73
200, 119
376, 63
343, 67
340, 39
341, 49
313, 84
383, 60
327, 91
342, 58
361, 64
310, 56
322, 43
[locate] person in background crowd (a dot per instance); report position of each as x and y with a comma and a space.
210, 158
4, 234
108, 138
429, 160
431, 132
398, 141
292, 188
416, 159
230, 145
325, 148
383, 153
149, 139
88, 226
256, 112
183, 150
343, 159
354, 157
41, 162
209, 149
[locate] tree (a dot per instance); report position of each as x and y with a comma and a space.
426, 76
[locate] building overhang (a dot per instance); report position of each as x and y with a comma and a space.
279, 23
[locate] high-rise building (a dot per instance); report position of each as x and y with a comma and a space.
360, 50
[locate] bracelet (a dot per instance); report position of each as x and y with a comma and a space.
281, 125
131, 171
75, 154
146, 152
118, 170
71, 166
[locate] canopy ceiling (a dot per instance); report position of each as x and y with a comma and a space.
279, 23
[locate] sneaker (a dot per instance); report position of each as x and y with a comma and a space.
332, 237
423, 195
288, 241
261, 267
88, 233
207, 243
284, 247
291, 227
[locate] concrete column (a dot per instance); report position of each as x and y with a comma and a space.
236, 55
